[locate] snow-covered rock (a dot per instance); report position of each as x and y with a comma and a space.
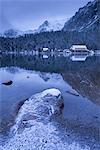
40, 106
36, 127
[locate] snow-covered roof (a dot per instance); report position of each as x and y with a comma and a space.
45, 49
78, 47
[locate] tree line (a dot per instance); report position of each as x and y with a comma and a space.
52, 40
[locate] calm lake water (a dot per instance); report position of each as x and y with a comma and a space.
79, 82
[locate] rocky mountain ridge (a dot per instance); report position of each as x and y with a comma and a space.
87, 18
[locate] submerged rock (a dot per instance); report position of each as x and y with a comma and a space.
36, 127
73, 93
7, 83
27, 77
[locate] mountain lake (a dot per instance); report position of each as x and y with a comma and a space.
78, 81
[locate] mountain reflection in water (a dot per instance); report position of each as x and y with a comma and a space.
32, 74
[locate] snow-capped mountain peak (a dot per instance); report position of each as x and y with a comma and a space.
51, 25
43, 27
46, 26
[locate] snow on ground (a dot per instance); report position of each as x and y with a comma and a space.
39, 136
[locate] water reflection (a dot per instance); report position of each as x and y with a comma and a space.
49, 62
78, 57
25, 84
32, 74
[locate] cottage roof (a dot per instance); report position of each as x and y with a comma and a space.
78, 47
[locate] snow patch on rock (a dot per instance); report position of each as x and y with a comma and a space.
53, 92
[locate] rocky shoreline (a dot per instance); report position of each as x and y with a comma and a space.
39, 125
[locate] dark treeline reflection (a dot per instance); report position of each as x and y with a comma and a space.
58, 64
84, 77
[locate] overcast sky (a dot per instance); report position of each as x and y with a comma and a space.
29, 14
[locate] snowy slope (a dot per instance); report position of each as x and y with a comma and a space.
12, 33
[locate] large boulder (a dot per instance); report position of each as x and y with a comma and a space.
41, 107
36, 126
